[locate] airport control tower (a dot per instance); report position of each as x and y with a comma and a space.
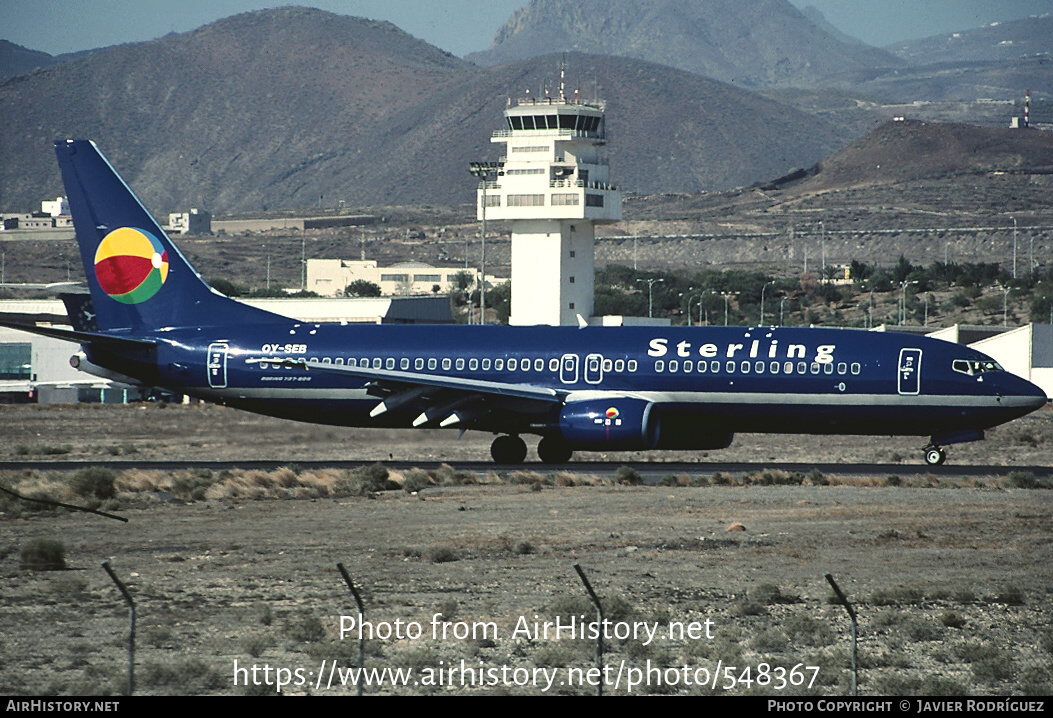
554, 189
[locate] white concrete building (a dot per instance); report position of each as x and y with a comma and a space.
554, 188
329, 277
1026, 351
56, 208
196, 221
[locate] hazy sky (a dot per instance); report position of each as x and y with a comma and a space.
458, 26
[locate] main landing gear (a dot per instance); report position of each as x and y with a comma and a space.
508, 450
935, 455
553, 450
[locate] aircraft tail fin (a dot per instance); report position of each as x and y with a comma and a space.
139, 280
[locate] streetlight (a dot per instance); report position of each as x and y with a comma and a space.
762, 301
1014, 247
650, 285
726, 295
822, 226
782, 303
691, 299
903, 300
487, 172
1005, 304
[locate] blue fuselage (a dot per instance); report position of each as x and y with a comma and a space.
705, 381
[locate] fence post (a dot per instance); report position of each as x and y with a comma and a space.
131, 624
599, 619
361, 616
852, 615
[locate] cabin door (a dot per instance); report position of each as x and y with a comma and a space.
568, 369
910, 371
217, 365
594, 368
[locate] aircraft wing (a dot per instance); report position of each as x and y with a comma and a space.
446, 399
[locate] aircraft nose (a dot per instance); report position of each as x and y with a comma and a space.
1025, 393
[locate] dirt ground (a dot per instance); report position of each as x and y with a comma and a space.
951, 579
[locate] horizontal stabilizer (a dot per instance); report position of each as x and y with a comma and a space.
70, 335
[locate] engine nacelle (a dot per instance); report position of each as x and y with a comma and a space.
618, 424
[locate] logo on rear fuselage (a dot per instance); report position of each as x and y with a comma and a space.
131, 265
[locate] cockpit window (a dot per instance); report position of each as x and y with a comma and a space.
972, 367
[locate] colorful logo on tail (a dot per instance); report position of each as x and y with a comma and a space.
131, 265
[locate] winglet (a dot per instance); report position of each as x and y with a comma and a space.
581, 322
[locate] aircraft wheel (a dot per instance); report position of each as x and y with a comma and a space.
552, 450
508, 450
934, 456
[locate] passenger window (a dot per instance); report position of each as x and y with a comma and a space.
828, 368
759, 367
855, 368
446, 364
553, 364
607, 364
632, 365
688, 366
714, 366
619, 365
815, 367
787, 368
842, 368
313, 360
659, 365
512, 365
730, 367
745, 367
774, 367
432, 363
404, 364
460, 364
702, 365
418, 363
801, 367
524, 365
486, 365
340, 361
327, 360
390, 363
499, 364
352, 362
539, 365
473, 364
673, 365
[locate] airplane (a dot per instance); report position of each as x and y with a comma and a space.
155, 321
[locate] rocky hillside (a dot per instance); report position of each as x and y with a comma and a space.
18, 60
900, 152
753, 43
295, 107
995, 41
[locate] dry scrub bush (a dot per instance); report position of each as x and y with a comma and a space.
43, 554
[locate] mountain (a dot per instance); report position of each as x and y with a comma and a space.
817, 18
997, 41
907, 151
295, 107
18, 60
752, 43
232, 115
